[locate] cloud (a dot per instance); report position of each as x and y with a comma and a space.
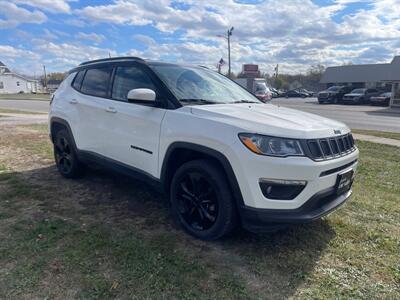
295, 33
54, 6
94, 37
15, 15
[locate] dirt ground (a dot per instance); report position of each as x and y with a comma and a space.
107, 236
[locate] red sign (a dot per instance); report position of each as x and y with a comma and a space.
250, 68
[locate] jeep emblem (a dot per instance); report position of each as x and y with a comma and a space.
337, 131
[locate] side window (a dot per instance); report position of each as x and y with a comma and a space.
96, 82
78, 80
128, 78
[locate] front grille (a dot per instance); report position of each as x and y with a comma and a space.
328, 148
323, 95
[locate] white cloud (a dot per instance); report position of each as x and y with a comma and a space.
295, 33
15, 15
55, 6
94, 37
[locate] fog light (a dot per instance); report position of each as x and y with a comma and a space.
281, 189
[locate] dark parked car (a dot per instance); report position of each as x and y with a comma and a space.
296, 94
334, 94
309, 93
360, 96
382, 99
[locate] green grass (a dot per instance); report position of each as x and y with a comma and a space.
384, 134
59, 239
17, 111
43, 97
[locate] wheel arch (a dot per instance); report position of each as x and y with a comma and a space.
58, 124
179, 153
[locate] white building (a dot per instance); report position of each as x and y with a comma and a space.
11, 83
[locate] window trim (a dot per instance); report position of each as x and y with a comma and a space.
168, 100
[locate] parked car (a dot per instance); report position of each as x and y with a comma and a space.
360, 96
296, 94
222, 156
309, 93
382, 99
333, 94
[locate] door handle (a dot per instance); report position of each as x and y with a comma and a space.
111, 110
73, 101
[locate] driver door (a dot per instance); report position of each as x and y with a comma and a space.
132, 128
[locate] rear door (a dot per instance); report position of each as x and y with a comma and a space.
131, 130
92, 103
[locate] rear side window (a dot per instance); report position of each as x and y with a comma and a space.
128, 78
78, 80
96, 82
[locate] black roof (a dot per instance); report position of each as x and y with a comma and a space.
110, 59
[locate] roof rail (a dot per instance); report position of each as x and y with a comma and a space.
111, 59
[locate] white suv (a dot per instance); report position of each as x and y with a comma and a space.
223, 157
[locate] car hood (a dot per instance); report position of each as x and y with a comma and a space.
270, 119
354, 95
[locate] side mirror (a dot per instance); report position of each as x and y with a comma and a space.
141, 95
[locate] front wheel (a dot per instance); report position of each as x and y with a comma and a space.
201, 200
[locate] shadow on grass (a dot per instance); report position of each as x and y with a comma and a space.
269, 265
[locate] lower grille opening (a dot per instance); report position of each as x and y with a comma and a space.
281, 191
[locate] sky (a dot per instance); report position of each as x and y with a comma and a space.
295, 34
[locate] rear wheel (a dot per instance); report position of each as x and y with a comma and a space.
201, 200
64, 154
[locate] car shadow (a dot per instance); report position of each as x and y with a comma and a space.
274, 265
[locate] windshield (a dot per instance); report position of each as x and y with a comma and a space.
358, 91
334, 88
196, 85
261, 87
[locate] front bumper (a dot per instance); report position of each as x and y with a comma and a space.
319, 205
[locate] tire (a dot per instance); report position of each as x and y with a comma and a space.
201, 200
65, 156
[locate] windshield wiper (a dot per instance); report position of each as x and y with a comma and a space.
244, 101
194, 100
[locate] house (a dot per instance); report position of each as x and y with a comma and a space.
383, 76
11, 83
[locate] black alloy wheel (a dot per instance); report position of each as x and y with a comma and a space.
197, 201
201, 200
65, 156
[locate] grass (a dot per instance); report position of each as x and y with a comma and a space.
101, 238
16, 111
384, 134
43, 97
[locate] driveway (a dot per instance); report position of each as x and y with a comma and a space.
355, 116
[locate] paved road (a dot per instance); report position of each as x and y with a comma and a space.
355, 116
27, 105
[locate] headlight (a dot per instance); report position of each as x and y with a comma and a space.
269, 145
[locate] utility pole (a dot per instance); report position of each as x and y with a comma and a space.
229, 51
276, 71
45, 77
228, 38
